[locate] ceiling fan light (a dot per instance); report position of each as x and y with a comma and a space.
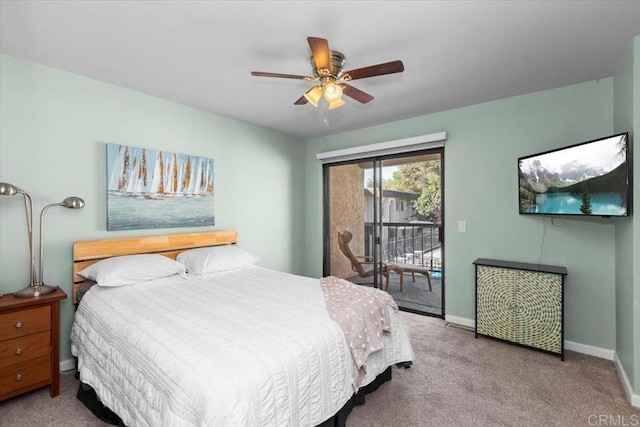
335, 104
313, 95
332, 91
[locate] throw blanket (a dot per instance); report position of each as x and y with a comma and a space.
362, 314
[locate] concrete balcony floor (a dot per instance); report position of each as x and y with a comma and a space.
415, 296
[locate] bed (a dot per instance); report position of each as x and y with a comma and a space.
246, 346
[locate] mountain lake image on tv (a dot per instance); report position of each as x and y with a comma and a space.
589, 179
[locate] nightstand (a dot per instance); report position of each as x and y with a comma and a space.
29, 344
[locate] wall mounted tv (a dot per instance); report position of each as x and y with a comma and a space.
587, 179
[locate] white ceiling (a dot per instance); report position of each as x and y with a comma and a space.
201, 53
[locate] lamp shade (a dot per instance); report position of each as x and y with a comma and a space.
313, 95
335, 104
73, 203
7, 189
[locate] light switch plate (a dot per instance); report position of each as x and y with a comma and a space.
462, 226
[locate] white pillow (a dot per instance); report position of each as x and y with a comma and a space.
132, 269
215, 258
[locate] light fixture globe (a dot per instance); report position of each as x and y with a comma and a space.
332, 91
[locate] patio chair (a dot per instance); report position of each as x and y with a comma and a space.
404, 268
360, 264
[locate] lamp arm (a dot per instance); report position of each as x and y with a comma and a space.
28, 207
41, 282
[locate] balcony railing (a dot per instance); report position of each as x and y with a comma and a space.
412, 243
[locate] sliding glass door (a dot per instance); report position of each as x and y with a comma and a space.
383, 226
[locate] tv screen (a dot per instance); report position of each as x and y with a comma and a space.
587, 179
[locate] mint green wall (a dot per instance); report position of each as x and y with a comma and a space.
626, 90
484, 142
53, 130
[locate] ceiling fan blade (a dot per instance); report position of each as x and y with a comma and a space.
377, 70
320, 51
301, 101
357, 94
284, 76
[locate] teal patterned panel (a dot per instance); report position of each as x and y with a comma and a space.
496, 302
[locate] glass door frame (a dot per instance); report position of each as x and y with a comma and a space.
326, 217
377, 163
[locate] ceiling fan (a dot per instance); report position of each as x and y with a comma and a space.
332, 81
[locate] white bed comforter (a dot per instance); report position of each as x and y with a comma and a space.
248, 347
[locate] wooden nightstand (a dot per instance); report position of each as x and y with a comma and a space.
29, 344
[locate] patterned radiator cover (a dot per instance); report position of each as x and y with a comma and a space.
520, 306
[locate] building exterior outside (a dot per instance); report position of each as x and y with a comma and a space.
397, 206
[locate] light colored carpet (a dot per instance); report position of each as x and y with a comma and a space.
456, 380
37, 409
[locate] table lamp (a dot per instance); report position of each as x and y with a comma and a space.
36, 288
69, 203
7, 189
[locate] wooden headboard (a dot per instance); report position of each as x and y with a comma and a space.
89, 252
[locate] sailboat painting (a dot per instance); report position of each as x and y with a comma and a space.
157, 189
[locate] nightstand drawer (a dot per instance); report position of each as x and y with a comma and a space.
25, 348
30, 344
24, 374
25, 322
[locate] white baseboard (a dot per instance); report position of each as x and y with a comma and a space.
603, 353
634, 398
67, 365
469, 323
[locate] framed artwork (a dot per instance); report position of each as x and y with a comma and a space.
157, 189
